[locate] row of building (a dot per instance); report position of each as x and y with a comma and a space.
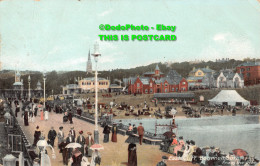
246, 74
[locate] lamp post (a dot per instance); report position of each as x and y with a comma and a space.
44, 79
29, 92
96, 54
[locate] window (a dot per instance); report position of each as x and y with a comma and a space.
177, 89
248, 69
14, 143
151, 84
146, 90
138, 85
151, 91
173, 89
166, 90
199, 73
183, 89
166, 85
248, 74
242, 70
183, 83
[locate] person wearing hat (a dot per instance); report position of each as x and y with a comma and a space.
174, 143
51, 136
163, 162
178, 149
46, 114
72, 132
70, 139
60, 135
211, 156
81, 141
89, 143
205, 156
140, 130
106, 132
186, 151
37, 135
132, 157
70, 117
114, 133
25, 117
64, 151
192, 150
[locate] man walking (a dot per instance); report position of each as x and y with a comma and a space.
140, 130
72, 132
81, 141
51, 136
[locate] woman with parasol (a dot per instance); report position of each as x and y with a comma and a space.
96, 157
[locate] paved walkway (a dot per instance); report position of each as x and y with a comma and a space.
114, 154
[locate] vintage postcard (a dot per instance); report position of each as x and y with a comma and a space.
127, 83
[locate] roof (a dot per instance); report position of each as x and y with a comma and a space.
250, 64
174, 95
18, 83
157, 67
93, 79
230, 74
194, 78
151, 73
145, 80
229, 96
38, 83
207, 70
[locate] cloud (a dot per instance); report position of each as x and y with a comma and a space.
105, 13
220, 36
228, 45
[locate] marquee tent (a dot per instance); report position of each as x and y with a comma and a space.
229, 97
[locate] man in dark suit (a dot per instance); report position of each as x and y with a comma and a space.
70, 139
72, 132
140, 130
51, 136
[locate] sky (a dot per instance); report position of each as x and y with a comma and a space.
48, 35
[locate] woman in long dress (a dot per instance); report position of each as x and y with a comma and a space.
42, 115
186, 151
37, 135
46, 114
179, 146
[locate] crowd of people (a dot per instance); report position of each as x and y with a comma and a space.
72, 154
204, 156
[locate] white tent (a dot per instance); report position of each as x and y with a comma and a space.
229, 97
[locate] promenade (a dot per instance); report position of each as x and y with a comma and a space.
114, 154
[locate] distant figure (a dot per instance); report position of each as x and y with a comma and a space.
46, 114
114, 133
106, 133
25, 118
76, 157
35, 111
60, 135
37, 135
70, 117
17, 109
140, 130
42, 115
